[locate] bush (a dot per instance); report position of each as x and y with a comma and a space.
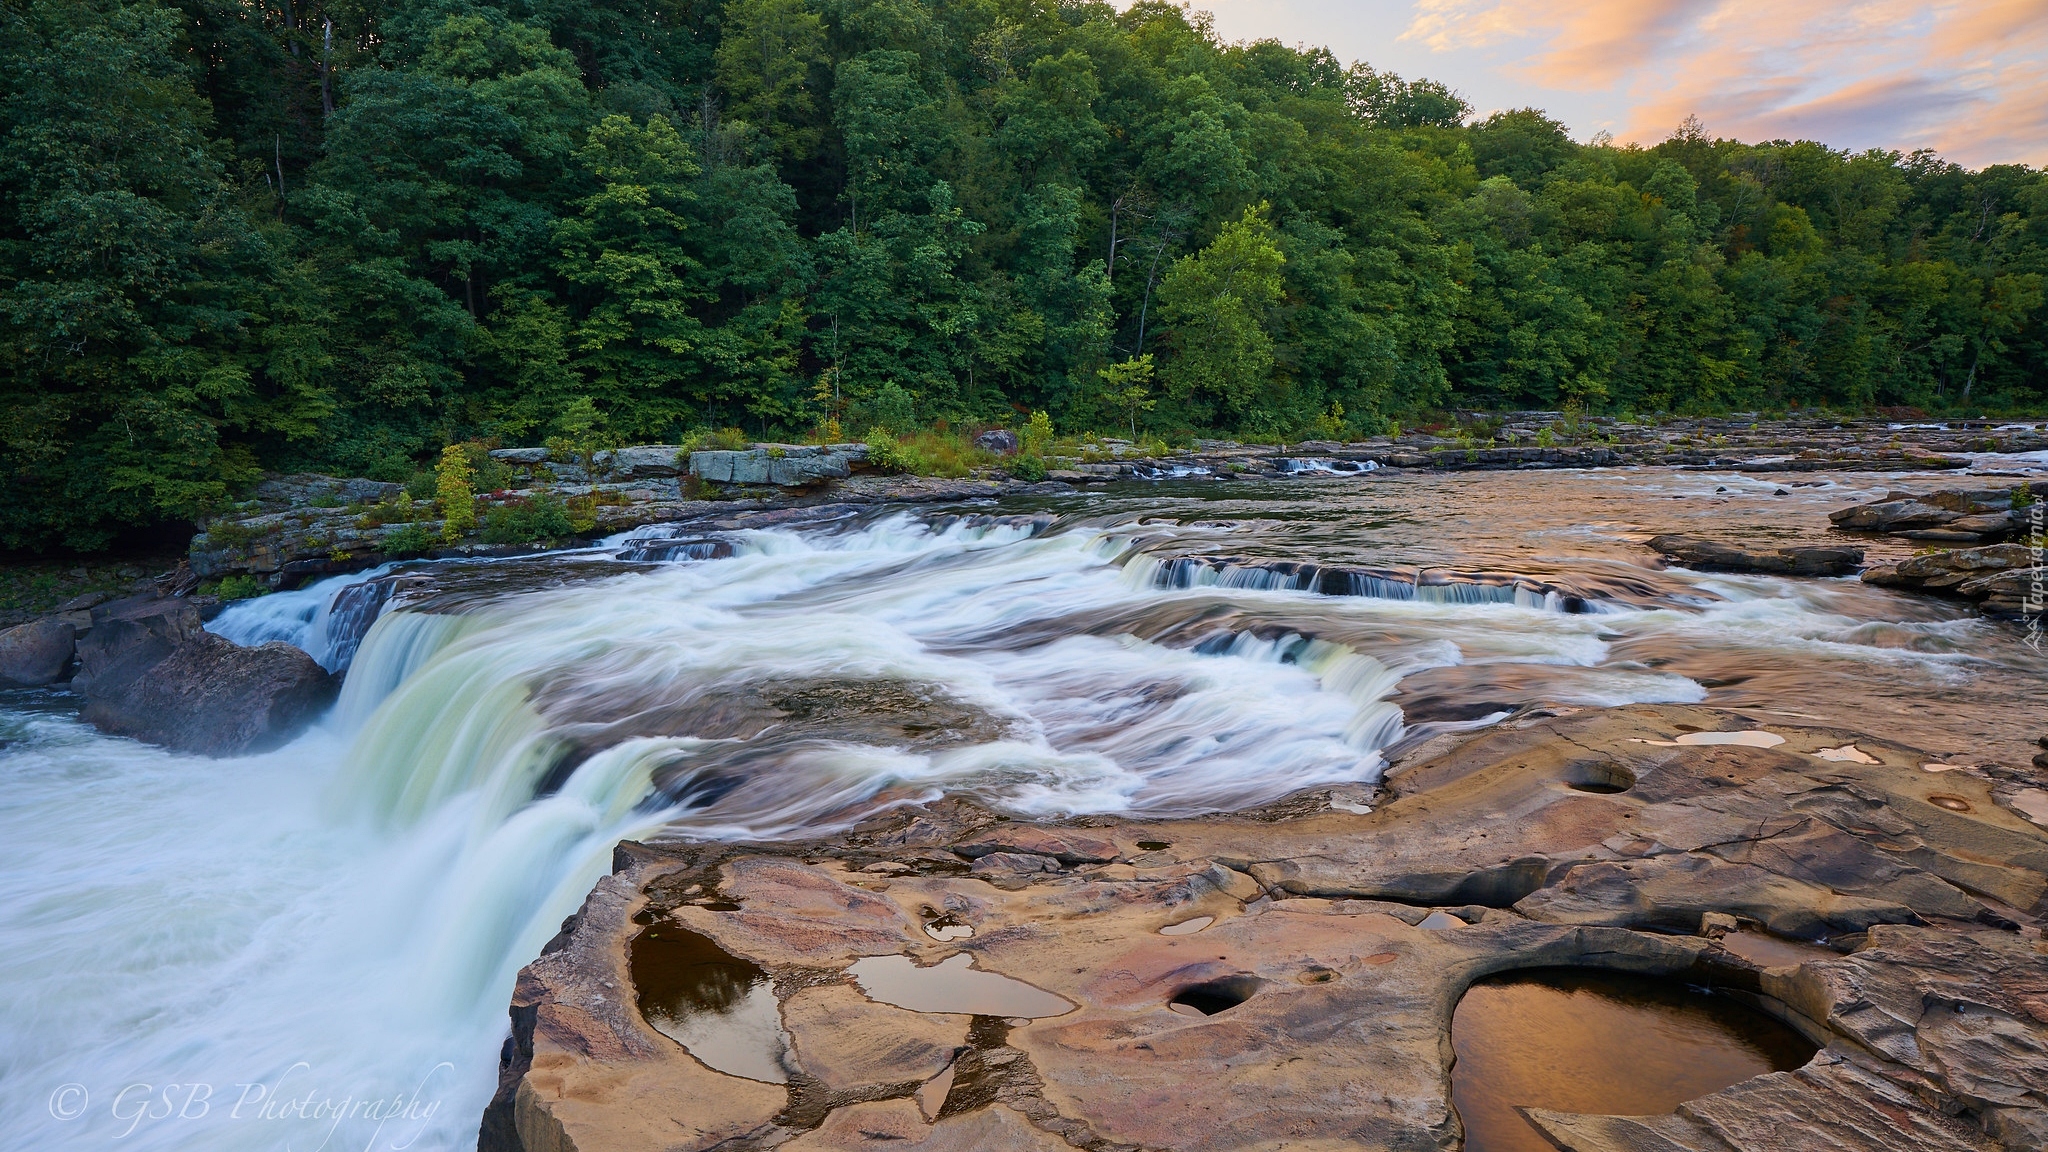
411, 540
709, 440
240, 586
487, 472
544, 517
1031, 468
421, 485
1037, 434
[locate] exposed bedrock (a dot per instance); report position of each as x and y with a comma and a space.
1287, 976
148, 670
1706, 555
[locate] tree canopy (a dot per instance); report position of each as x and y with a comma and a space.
340, 234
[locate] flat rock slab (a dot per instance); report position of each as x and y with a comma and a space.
1715, 555
1341, 943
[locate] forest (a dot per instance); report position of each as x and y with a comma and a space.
337, 235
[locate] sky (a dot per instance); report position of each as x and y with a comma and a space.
1968, 79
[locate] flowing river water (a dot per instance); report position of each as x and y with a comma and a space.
313, 947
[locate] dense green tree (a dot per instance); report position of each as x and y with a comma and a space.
341, 234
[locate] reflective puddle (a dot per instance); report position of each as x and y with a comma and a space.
952, 985
1606, 1043
717, 1006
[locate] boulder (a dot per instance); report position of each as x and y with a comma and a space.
149, 671
36, 653
783, 465
300, 489
643, 462
1952, 516
1000, 441
2003, 579
1718, 556
520, 455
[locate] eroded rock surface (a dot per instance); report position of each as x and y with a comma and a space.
148, 670
1719, 556
1337, 945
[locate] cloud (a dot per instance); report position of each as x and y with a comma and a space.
1966, 77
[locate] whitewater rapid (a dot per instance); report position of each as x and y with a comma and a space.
336, 925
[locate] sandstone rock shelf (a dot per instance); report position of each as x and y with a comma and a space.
1587, 839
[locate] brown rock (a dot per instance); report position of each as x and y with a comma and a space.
1065, 845
36, 653
1714, 555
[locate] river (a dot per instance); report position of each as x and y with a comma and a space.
313, 947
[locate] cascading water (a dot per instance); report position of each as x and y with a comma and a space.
336, 925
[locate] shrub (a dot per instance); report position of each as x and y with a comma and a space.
1031, 468
2022, 496
422, 485
412, 540
458, 499
710, 440
487, 472
544, 517
240, 586
1037, 434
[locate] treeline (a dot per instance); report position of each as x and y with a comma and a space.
339, 234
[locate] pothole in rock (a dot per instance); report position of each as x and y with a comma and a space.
720, 1008
1603, 778
1214, 996
953, 985
1604, 1043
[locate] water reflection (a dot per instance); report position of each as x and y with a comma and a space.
1605, 1043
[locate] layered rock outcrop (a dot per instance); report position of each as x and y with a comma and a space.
1718, 556
1330, 946
148, 670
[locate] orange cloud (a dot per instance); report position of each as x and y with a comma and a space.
1966, 78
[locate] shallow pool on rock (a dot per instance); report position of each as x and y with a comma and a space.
720, 1008
1607, 1043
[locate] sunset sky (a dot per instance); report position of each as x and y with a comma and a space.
1967, 79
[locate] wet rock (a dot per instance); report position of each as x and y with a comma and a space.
1717, 556
148, 670
1936, 1017
36, 653
2000, 578
1000, 441
1955, 515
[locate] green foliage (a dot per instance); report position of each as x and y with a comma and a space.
1037, 434
1124, 388
1029, 468
422, 485
715, 440
2022, 496
412, 540
890, 410
240, 586
457, 497
232, 246
543, 517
